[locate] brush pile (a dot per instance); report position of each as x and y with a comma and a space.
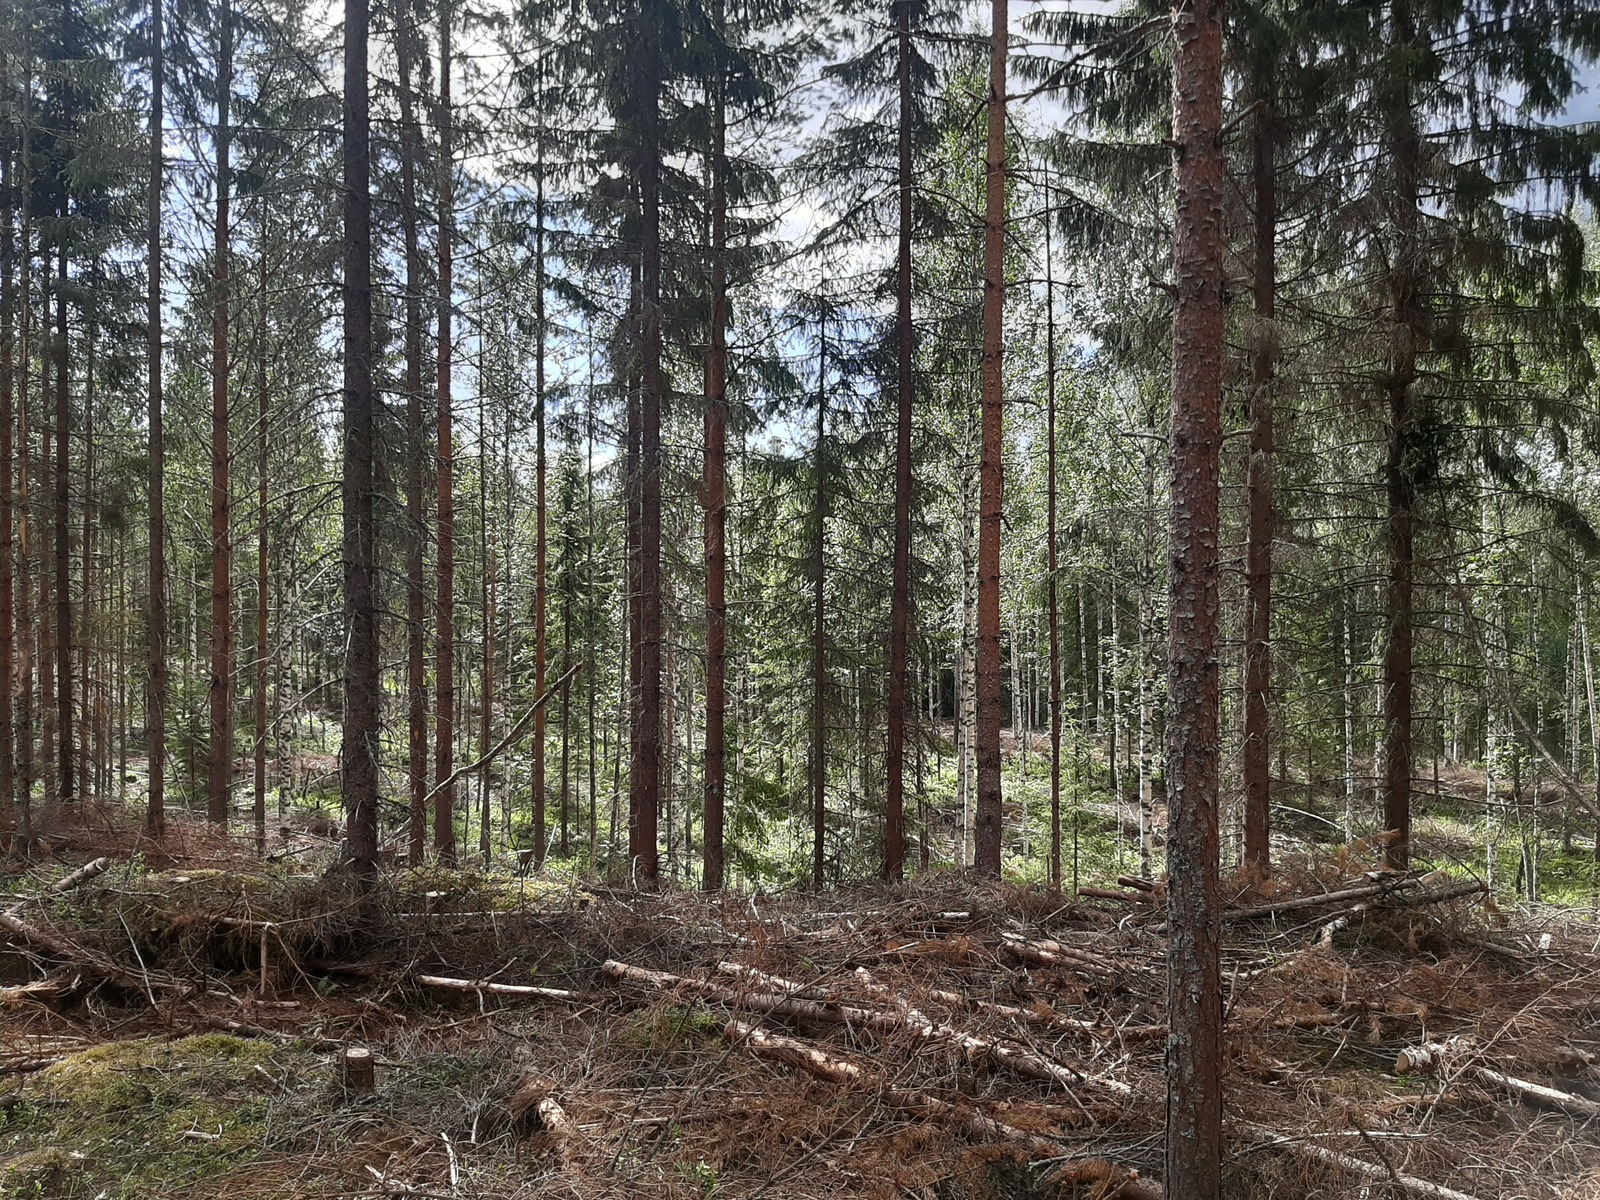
1388, 1035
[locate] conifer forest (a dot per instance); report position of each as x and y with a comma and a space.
800, 598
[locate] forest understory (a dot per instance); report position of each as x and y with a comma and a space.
181, 1024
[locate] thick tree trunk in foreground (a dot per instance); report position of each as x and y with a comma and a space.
358, 752
991, 471
1194, 989
1407, 330
156, 615
716, 505
220, 693
1257, 747
444, 828
900, 596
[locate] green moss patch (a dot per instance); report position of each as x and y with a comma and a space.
149, 1116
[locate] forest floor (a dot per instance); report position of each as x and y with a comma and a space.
178, 1028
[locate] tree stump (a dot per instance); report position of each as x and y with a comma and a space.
356, 1069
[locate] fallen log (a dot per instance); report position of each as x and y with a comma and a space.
1578, 1106
1433, 1057
499, 989
50, 987
1120, 897
66, 883
795, 1053
1049, 953
1298, 903
972, 1049
65, 950
1357, 1166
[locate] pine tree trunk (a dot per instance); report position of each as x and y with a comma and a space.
819, 643
359, 750
1194, 988
1052, 564
8, 248
444, 829
900, 598
263, 653
1408, 329
716, 501
156, 615
407, 44
1257, 748
645, 778
540, 589
66, 762
220, 780
23, 687
987, 836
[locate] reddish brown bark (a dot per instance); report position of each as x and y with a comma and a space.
987, 825
900, 597
1194, 989
220, 693
358, 751
444, 828
406, 46
1256, 752
716, 503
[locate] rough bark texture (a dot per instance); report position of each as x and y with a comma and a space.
7, 499
1194, 990
219, 693
716, 503
66, 761
541, 597
1257, 748
263, 564
156, 615
819, 630
900, 597
444, 806
358, 752
987, 823
416, 447
1406, 315
645, 778
23, 686
1053, 567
